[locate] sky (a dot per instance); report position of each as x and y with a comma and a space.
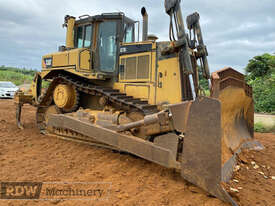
234, 30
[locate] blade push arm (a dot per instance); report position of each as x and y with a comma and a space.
193, 23
173, 10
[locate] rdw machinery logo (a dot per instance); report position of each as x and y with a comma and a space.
20, 190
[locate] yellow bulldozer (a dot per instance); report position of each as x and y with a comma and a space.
109, 89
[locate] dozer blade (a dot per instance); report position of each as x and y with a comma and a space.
202, 148
216, 129
201, 164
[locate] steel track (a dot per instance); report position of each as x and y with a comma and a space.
116, 99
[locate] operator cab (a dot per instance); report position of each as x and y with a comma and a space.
103, 35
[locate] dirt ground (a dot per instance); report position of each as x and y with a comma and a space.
29, 156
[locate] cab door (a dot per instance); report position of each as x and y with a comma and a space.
84, 36
107, 46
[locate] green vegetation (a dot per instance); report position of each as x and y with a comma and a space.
260, 127
261, 76
203, 82
16, 75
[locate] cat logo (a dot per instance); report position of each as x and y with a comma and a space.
20, 190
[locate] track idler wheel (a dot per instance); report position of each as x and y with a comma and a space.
66, 97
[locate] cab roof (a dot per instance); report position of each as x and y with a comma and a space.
104, 16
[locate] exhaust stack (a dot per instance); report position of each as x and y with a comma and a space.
145, 24
69, 23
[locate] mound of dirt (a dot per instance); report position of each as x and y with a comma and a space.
253, 182
29, 156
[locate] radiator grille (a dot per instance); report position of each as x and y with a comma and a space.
135, 68
131, 68
143, 67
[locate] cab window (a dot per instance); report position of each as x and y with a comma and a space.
88, 36
128, 33
84, 36
79, 37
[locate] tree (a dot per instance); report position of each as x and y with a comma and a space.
260, 66
261, 76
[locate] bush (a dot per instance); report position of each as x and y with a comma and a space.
264, 93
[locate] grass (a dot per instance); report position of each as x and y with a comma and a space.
19, 76
15, 76
261, 128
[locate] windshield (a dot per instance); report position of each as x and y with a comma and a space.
7, 85
107, 46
